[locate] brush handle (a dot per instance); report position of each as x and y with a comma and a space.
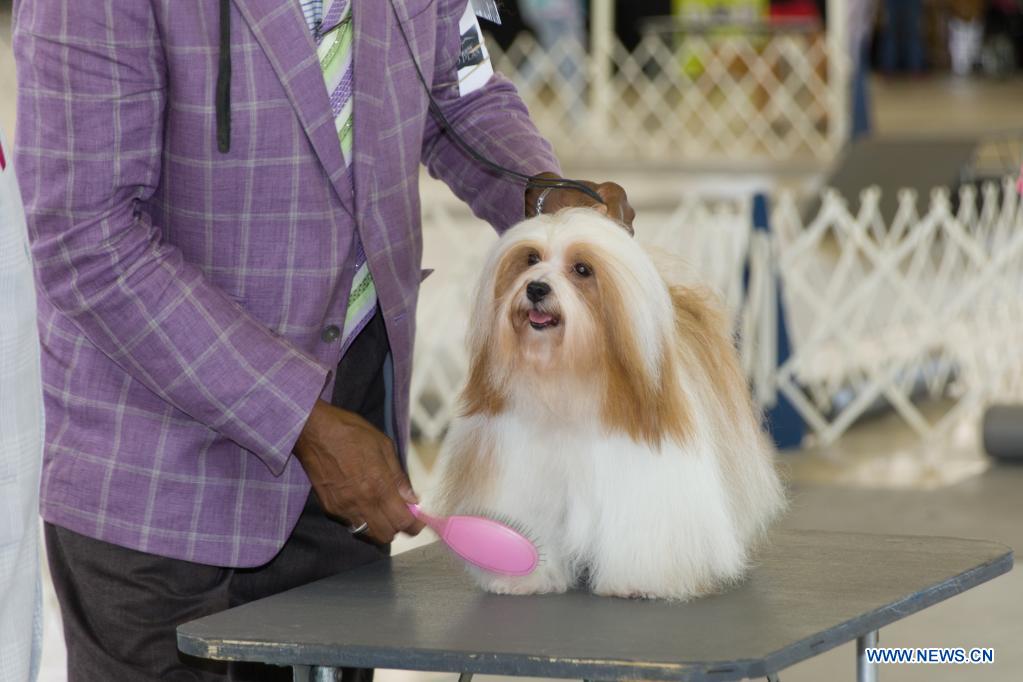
437, 524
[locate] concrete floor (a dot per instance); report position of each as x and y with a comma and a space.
824, 496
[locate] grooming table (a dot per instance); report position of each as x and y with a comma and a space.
810, 591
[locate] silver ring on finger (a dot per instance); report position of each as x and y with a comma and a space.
355, 530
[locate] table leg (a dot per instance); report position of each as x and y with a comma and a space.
315, 673
465, 677
866, 671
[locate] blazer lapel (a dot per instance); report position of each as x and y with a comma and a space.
282, 32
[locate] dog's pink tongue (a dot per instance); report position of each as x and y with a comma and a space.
538, 317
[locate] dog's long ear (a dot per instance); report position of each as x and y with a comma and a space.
704, 334
489, 349
642, 394
482, 394
708, 354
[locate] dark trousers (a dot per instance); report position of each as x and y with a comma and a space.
120, 607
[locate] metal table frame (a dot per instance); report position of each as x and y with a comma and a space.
866, 671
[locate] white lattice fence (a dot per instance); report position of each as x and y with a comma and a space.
926, 305
731, 98
701, 238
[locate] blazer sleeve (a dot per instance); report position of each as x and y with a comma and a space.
494, 120
92, 92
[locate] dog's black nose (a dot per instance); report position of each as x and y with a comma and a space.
535, 291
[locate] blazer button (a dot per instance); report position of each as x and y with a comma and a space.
330, 333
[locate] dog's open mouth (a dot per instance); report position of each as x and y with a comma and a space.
541, 319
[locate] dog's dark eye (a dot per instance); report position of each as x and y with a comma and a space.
533, 258
582, 269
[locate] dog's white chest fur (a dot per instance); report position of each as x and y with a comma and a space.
633, 522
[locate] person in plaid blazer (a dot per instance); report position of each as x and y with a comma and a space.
196, 227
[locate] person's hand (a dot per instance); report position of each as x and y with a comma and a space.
355, 472
616, 203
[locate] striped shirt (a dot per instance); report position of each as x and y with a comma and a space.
312, 10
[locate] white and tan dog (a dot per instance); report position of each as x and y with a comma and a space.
606, 413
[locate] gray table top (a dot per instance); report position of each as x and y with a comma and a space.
809, 592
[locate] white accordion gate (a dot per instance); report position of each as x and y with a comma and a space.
925, 307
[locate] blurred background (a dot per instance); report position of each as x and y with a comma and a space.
844, 174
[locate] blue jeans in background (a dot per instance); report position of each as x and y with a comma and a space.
861, 116
902, 36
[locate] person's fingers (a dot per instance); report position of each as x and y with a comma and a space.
395, 491
397, 511
626, 221
611, 191
403, 519
614, 198
617, 203
630, 216
404, 485
568, 197
380, 529
407, 493
587, 200
366, 483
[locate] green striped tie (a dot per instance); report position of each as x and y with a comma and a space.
334, 49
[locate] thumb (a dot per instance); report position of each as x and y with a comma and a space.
407, 493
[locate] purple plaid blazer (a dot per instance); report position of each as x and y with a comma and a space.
184, 292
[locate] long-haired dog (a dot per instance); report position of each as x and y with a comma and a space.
606, 413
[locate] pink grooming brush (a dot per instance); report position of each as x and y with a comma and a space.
485, 543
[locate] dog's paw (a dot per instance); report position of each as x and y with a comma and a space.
625, 593
535, 583
669, 592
